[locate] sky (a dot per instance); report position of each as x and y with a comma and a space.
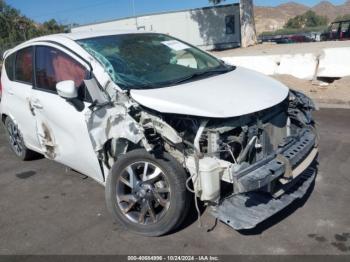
89, 11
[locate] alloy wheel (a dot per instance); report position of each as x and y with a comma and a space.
143, 193
15, 137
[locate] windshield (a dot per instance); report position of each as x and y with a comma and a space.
148, 60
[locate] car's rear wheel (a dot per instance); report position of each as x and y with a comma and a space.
146, 194
16, 141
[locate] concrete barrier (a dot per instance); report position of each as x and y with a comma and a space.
263, 64
301, 66
334, 62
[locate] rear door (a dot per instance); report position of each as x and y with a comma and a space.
62, 129
17, 87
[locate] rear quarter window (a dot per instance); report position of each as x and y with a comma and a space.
10, 66
24, 65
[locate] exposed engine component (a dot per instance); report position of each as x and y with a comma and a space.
215, 150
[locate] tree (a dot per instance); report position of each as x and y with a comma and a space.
16, 28
342, 18
308, 19
52, 27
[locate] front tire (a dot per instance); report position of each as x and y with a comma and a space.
146, 194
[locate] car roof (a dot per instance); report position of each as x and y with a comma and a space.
63, 37
92, 34
86, 34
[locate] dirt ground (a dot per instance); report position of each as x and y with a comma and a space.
337, 92
278, 49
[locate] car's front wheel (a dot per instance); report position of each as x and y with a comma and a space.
146, 194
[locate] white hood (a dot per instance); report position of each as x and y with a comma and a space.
236, 93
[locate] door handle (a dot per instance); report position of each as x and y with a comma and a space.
37, 105
10, 92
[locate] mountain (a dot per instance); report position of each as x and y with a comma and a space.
273, 18
325, 8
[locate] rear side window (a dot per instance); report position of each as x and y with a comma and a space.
53, 66
24, 66
10, 66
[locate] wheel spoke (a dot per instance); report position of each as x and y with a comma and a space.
124, 181
145, 169
151, 213
127, 198
155, 175
129, 207
9, 129
18, 149
161, 190
143, 213
132, 177
12, 141
162, 201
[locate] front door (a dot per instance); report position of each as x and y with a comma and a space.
62, 129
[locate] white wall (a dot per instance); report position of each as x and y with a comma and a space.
201, 27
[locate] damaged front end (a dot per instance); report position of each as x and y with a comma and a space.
247, 168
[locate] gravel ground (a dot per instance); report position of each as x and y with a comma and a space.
278, 49
336, 93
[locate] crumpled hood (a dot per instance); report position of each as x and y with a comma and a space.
236, 93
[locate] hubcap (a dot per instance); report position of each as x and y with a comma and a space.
143, 193
16, 140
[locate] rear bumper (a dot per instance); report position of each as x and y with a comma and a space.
270, 185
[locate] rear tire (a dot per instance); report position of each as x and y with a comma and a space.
147, 194
16, 141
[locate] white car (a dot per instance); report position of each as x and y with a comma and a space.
157, 122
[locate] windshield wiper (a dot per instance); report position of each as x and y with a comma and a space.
214, 71
210, 72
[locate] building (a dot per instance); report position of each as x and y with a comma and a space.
215, 27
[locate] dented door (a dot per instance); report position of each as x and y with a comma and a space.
61, 125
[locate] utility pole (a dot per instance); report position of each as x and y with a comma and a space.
134, 14
248, 31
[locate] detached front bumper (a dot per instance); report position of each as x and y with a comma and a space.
292, 157
271, 184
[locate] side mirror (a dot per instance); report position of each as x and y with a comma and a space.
66, 89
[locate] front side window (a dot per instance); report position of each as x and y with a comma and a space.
230, 24
10, 66
24, 65
53, 66
149, 60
